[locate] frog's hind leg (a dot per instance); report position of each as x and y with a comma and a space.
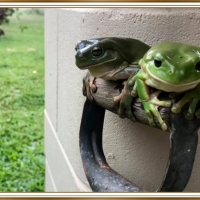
193, 100
176, 108
192, 109
134, 90
151, 108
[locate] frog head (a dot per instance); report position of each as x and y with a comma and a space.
102, 55
172, 67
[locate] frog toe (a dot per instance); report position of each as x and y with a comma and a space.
121, 110
189, 116
134, 93
131, 82
197, 114
163, 126
154, 99
117, 99
167, 103
130, 116
152, 124
157, 102
162, 123
160, 120
151, 121
176, 109
121, 115
150, 117
93, 88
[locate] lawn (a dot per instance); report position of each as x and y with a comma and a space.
22, 104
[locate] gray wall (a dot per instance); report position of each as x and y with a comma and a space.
138, 152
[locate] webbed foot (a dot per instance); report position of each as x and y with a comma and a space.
192, 97
151, 109
197, 113
125, 102
117, 99
89, 86
93, 87
125, 109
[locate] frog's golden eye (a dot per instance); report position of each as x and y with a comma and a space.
97, 51
157, 62
197, 66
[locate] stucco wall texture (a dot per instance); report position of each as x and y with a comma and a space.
136, 151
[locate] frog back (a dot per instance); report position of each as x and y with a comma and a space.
132, 50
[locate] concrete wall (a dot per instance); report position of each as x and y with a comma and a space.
136, 151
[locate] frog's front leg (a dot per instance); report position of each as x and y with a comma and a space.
117, 99
127, 72
88, 86
92, 84
126, 98
193, 97
151, 102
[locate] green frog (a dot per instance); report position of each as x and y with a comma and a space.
111, 58
171, 67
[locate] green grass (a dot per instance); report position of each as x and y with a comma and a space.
22, 104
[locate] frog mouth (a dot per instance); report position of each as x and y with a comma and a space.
169, 87
97, 64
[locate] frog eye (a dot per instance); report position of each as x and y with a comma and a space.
97, 51
197, 66
157, 62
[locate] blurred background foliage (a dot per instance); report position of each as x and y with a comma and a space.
22, 163
5, 13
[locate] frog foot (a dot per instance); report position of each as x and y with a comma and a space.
118, 98
92, 85
86, 90
125, 103
134, 92
89, 87
197, 113
125, 109
133, 84
151, 109
154, 99
176, 108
